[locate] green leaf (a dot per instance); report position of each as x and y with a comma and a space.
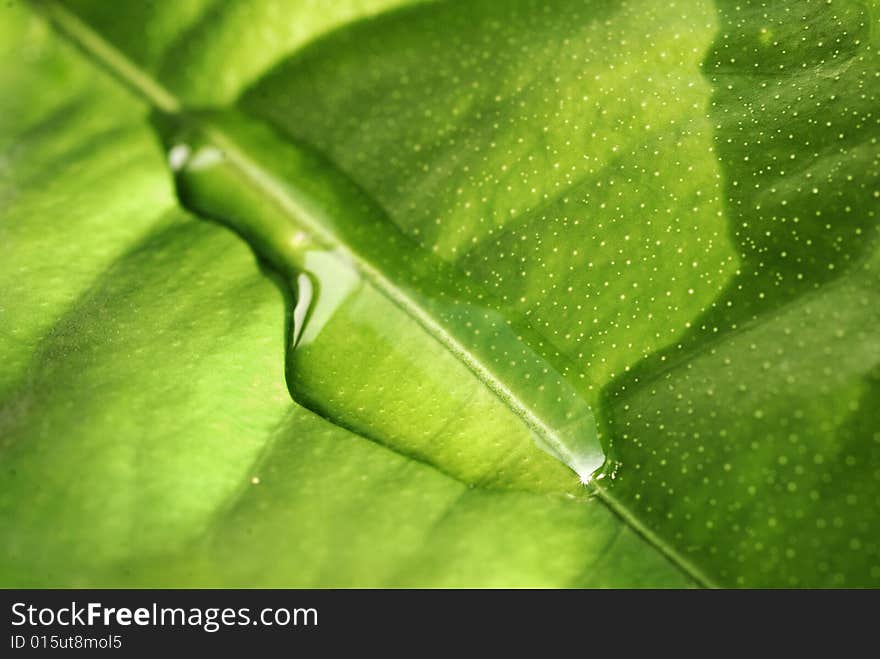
524, 226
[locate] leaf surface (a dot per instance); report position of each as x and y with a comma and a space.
671, 207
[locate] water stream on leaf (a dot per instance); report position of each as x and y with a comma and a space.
341, 257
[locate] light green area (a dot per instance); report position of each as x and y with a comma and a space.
673, 206
206, 51
147, 434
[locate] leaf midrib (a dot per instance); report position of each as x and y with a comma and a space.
103, 54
